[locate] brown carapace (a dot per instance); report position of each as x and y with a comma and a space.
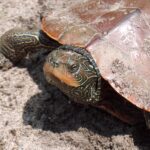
117, 35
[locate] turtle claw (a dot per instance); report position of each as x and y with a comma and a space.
5, 63
147, 119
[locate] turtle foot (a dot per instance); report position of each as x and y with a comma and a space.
118, 114
5, 63
147, 119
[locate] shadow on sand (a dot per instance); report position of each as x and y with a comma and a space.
51, 110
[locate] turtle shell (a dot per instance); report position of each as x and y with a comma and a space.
117, 34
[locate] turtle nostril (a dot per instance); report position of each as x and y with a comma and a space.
53, 62
50, 59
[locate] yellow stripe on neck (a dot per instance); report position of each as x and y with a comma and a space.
61, 74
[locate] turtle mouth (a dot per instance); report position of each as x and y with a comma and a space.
48, 74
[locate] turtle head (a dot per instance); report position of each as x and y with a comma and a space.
74, 72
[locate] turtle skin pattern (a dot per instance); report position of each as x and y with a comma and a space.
84, 71
16, 43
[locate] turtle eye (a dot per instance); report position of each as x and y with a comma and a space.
74, 68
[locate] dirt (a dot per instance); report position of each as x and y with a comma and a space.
146, 46
37, 116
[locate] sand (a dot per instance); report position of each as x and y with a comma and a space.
37, 116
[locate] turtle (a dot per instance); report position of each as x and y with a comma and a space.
99, 54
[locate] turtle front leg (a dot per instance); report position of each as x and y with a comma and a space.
147, 119
125, 116
5, 63
15, 44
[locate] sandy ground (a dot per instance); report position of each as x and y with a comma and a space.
35, 116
